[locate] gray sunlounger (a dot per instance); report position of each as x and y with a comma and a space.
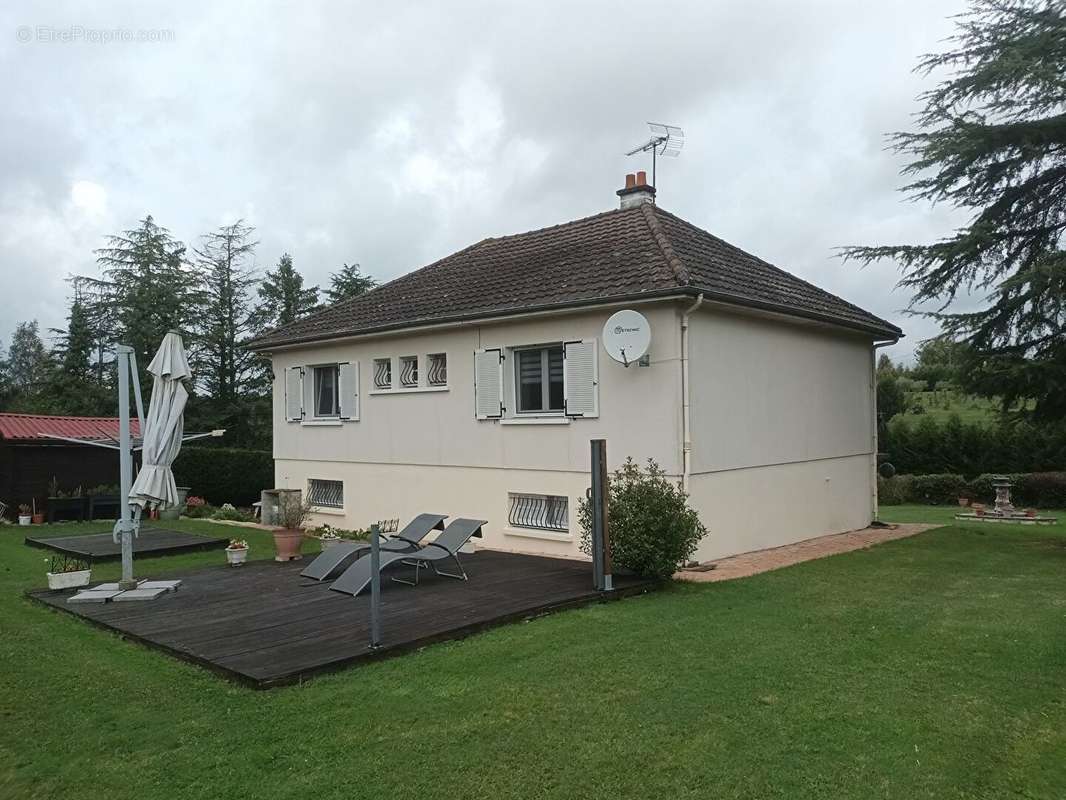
446, 547
330, 561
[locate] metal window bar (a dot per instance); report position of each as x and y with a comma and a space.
409, 371
438, 370
539, 511
383, 373
326, 494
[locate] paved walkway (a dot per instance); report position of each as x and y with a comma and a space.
745, 564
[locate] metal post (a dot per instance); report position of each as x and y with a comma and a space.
605, 521
124, 528
375, 587
596, 500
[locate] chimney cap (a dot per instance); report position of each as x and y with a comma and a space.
637, 190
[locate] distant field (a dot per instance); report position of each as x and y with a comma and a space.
942, 404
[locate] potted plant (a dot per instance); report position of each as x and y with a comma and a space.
67, 572
237, 552
104, 501
65, 505
38, 516
25, 517
292, 514
328, 537
1030, 513
979, 509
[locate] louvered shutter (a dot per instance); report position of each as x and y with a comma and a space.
581, 391
294, 394
348, 375
310, 408
488, 383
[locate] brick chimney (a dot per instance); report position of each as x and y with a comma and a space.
637, 190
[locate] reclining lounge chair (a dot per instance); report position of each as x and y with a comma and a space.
406, 541
446, 547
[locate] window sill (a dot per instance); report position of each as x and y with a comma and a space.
534, 533
316, 423
328, 511
411, 390
535, 421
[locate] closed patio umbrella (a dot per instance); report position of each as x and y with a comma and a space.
163, 429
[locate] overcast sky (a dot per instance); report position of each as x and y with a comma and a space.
392, 134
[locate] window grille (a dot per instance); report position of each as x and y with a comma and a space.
383, 373
438, 370
539, 511
325, 494
409, 371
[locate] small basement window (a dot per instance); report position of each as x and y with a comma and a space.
325, 494
543, 512
409, 371
438, 369
327, 391
539, 379
382, 373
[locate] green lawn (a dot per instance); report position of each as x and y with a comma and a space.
931, 667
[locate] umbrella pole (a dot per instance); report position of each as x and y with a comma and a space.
125, 525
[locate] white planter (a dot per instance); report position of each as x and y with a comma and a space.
236, 557
25, 519
68, 580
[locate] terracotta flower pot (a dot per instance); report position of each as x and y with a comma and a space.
287, 542
1030, 512
38, 519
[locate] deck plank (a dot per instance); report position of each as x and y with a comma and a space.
152, 541
264, 625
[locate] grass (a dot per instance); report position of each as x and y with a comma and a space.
930, 667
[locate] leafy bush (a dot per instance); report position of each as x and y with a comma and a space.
938, 490
894, 491
233, 514
652, 528
201, 511
225, 475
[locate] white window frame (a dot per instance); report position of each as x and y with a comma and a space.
545, 383
315, 370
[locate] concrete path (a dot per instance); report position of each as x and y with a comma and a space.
745, 564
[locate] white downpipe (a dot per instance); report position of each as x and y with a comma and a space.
875, 509
686, 421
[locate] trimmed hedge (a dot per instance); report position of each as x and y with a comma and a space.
225, 474
1035, 489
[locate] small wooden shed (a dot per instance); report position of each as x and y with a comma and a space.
29, 459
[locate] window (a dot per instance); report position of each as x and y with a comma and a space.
325, 494
539, 379
327, 391
540, 511
438, 369
382, 373
409, 371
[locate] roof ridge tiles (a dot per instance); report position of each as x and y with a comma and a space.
661, 239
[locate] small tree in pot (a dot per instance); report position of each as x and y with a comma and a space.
292, 515
653, 530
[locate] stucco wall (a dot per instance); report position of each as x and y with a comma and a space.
427, 452
782, 431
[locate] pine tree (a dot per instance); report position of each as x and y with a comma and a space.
75, 384
348, 282
283, 297
227, 312
149, 288
27, 367
992, 140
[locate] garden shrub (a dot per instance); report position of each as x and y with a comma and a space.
894, 491
224, 474
938, 490
653, 530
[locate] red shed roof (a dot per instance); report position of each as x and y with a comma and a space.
32, 426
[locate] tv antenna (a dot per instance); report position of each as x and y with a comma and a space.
666, 140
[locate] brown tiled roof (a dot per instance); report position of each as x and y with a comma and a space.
627, 254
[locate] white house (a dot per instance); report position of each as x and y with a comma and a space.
471, 387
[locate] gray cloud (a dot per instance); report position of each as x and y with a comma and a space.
392, 134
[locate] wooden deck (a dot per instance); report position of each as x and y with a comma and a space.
151, 542
264, 625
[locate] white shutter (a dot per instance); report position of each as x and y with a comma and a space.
310, 408
581, 391
348, 376
488, 383
294, 394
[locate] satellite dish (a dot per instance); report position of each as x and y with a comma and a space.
626, 336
